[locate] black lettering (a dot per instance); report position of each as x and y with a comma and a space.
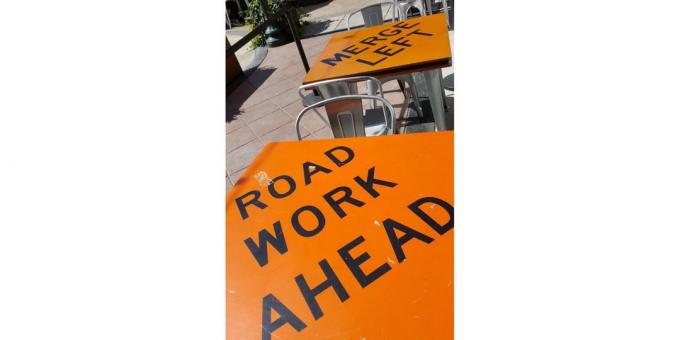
337, 57
370, 40
371, 62
353, 49
275, 193
353, 263
349, 155
255, 200
346, 197
309, 168
419, 32
391, 33
439, 228
370, 181
404, 24
259, 251
320, 221
398, 242
270, 302
401, 43
384, 50
310, 293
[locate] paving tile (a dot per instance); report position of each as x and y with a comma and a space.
240, 158
239, 137
235, 123
312, 121
398, 101
394, 97
276, 74
233, 109
287, 97
229, 184
272, 86
237, 175
294, 67
283, 133
316, 41
391, 86
261, 75
297, 76
270, 122
272, 90
294, 108
324, 133
239, 96
255, 99
258, 111
287, 85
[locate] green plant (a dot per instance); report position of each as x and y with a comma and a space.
256, 17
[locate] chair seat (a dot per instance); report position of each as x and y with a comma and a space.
374, 122
311, 99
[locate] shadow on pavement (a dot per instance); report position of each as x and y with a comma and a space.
314, 28
245, 88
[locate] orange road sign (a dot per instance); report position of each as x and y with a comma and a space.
343, 239
396, 47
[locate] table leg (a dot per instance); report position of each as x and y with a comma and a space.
434, 89
372, 90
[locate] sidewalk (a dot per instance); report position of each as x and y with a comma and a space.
331, 16
325, 18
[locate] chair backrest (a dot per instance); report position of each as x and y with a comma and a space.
373, 14
403, 7
345, 119
337, 87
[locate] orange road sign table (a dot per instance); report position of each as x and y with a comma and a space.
419, 44
343, 239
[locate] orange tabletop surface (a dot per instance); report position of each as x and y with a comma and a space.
343, 239
395, 47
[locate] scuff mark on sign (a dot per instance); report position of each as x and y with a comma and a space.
420, 297
263, 179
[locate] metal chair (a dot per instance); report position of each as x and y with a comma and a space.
404, 6
348, 119
318, 91
327, 89
312, 98
431, 7
373, 16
